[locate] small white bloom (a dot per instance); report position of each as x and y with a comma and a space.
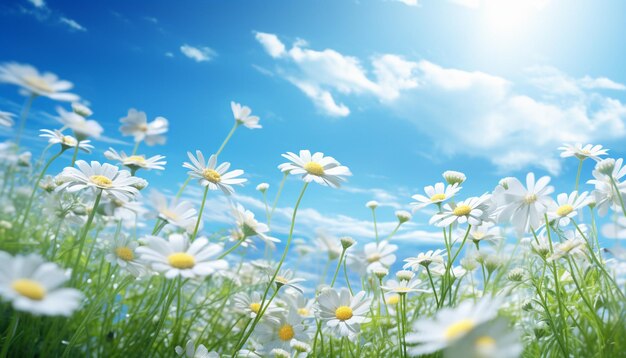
122, 252
424, 259
434, 195
181, 214
250, 227
34, 83
262, 187
373, 204
566, 207
341, 312
134, 162
318, 168
34, 286
212, 175
473, 211
403, 216
81, 109
242, 116
81, 127
582, 152
190, 351
136, 124
66, 141
453, 177
176, 256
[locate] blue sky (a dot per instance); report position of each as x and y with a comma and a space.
399, 91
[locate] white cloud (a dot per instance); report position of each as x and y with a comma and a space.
38, 3
271, 43
320, 73
473, 4
198, 54
169, 54
601, 83
72, 24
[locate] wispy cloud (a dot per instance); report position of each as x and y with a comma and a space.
38, 3
198, 54
72, 24
482, 115
409, 2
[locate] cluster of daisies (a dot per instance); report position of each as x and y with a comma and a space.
473, 296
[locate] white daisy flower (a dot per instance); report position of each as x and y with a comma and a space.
328, 244
605, 173
242, 116
300, 303
449, 325
424, 259
473, 211
279, 333
250, 305
453, 177
212, 175
487, 232
81, 109
567, 206
262, 187
122, 252
136, 124
285, 277
403, 287
6, 119
81, 127
574, 245
440, 270
249, 227
489, 340
191, 351
66, 141
372, 204
318, 168
134, 162
582, 152
181, 214
176, 256
341, 312
379, 254
34, 286
434, 195
523, 206
34, 83
115, 183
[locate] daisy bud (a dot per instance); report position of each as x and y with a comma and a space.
403, 216
468, 263
504, 182
346, 242
48, 184
300, 347
81, 110
262, 187
280, 353
381, 272
373, 204
452, 177
606, 166
23, 159
516, 275
140, 184
492, 263
404, 275
527, 305
541, 329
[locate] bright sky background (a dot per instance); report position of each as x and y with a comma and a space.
399, 91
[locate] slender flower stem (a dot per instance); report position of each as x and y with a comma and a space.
345, 272
136, 147
267, 209
83, 236
230, 134
432, 284
619, 194
394, 231
280, 263
375, 224
195, 230
343, 252
182, 187
75, 155
10, 333
580, 167
280, 190
29, 103
32, 195
231, 249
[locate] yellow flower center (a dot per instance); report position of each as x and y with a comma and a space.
255, 307
285, 332
462, 210
124, 253
68, 141
485, 342
458, 329
438, 197
393, 299
314, 168
373, 258
211, 175
135, 160
170, 214
38, 83
303, 312
343, 313
530, 198
143, 127
564, 210
181, 260
29, 288
101, 181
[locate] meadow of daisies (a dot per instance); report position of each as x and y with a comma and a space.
95, 262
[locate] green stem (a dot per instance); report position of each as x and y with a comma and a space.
619, 194
580, 167
280, 190
32, 195
182, 188
230, 134
10, 333
432, 284
345, 272
29, 103
83, 236
75, 155
332, 283
195, 230
136, 147
375, 224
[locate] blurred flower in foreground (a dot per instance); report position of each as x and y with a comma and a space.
36, 84
136, 124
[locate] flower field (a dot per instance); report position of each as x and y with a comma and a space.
97, 262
